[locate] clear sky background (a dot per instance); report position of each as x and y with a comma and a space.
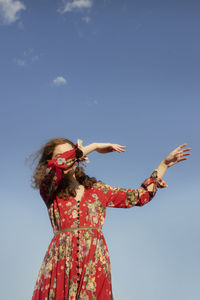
125, 72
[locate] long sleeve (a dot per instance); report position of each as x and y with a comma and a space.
55, 171
126, 198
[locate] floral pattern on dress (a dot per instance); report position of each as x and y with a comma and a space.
76, 264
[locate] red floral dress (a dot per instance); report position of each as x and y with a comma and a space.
77, 264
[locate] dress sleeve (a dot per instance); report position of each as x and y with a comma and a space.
126, 198
55, 171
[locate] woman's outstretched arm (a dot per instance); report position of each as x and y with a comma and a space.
127, 198
101, 148
121, 197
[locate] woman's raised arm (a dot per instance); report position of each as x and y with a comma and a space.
100, 148
127, 198
121, 197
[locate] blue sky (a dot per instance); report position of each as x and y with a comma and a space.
124, 72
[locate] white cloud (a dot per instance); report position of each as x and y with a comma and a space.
34, 58
86, 19
9, 10
59, 81
28, 52
20, 62
75, 5
91, 102
28, 57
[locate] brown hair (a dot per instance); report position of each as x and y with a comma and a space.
44, 154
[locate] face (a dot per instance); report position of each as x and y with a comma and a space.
59, 149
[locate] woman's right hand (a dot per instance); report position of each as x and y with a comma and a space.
176, 155
109, 147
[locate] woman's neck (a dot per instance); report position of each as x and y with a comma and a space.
73, 181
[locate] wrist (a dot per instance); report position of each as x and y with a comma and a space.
164, 164
161, 169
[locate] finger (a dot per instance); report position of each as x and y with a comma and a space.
182, 159
178, 148
119, 145
184, 150
179, 159
183, 154
186, 154
119, 148
122, 150
181, 146
113, 148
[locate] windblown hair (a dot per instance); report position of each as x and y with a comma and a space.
43, 155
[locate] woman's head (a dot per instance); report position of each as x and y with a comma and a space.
51, 150
55, 147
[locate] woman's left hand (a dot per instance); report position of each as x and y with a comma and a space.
176, 155
108, 147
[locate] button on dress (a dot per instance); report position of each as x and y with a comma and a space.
76, 264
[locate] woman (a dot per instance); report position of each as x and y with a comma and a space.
77, 264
